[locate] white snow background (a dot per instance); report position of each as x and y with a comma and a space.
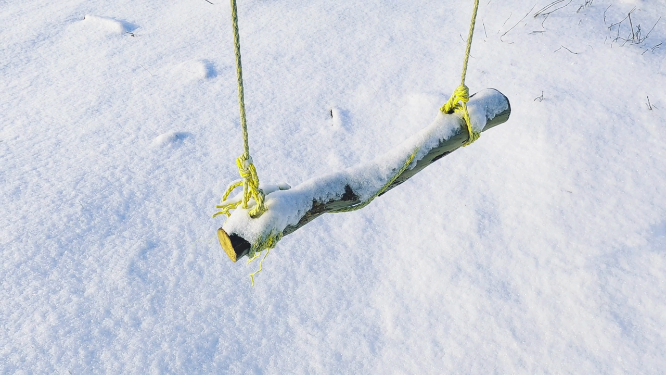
541, 248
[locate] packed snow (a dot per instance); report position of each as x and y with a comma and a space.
540, 248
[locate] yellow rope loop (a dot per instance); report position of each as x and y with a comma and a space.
250, 182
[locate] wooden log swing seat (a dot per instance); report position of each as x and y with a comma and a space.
289, 210
262, 214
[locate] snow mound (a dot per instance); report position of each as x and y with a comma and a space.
108, 25
196, 70
169, 138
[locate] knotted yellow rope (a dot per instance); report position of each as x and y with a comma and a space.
460, 97
250, 183
249, 179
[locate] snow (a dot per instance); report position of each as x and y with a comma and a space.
541, 248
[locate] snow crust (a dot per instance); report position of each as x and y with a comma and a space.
539, 249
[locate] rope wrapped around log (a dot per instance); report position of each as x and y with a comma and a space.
325, 194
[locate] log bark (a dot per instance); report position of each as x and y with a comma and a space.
236, 246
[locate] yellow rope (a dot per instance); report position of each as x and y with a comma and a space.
267, 243
460, 97
250, 183
367, 202
249, 178
246, 169
261, 265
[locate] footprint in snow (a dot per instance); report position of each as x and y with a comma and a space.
108, 25
341, 119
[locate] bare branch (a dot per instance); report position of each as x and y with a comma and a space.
605, 13
521, 20
544, 9
575, 53
539, 98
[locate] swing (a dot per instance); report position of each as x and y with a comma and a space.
259, 216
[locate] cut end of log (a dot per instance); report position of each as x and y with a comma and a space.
235, 246
225, 241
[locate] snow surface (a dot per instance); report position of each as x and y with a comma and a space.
541, 248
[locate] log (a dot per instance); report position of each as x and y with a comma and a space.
290, 210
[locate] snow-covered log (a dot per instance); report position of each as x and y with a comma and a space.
289, 210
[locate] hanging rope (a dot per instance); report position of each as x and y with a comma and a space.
249, 179
460, 97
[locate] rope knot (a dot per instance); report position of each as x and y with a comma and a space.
250, 182
458, 103
460, 94
244, 162
251, 189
